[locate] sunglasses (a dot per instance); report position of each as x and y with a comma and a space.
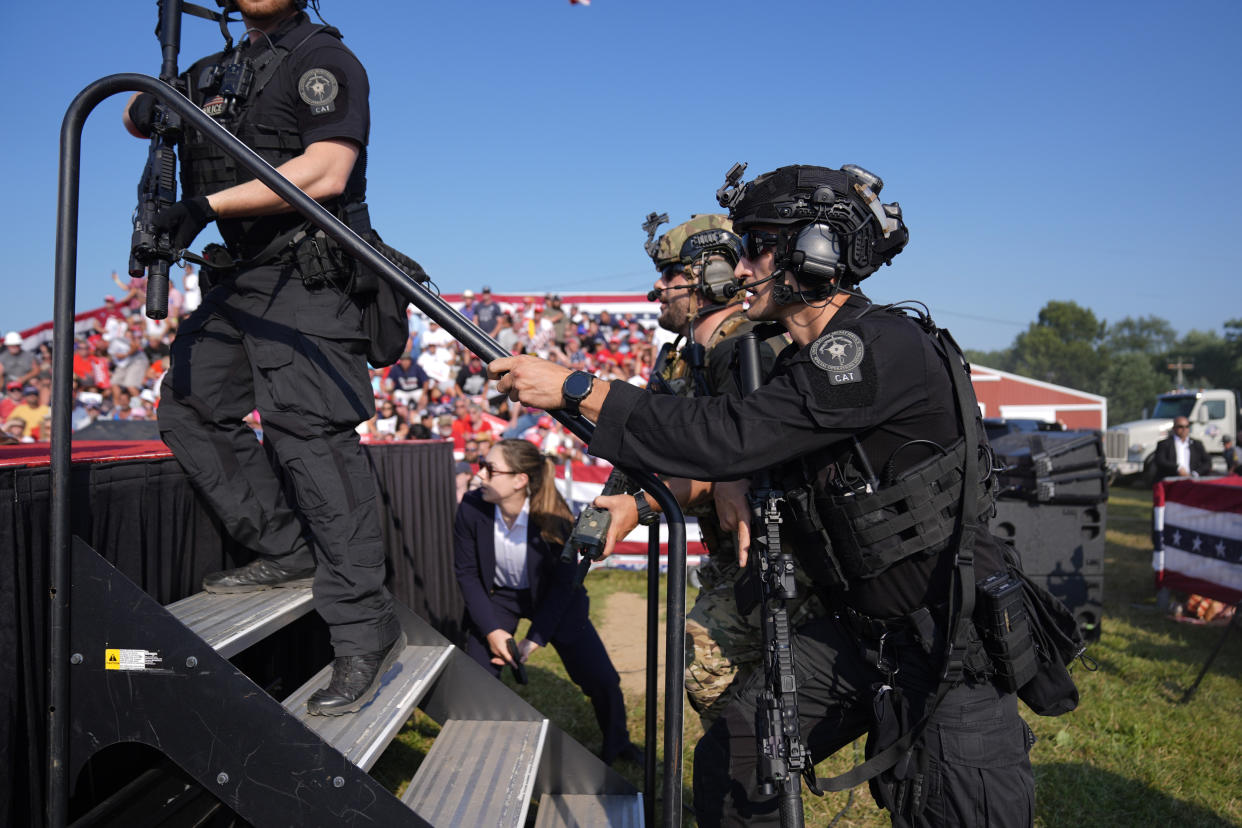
490, 468
755, 242
1181, 426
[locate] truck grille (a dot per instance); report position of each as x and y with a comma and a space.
1116, 445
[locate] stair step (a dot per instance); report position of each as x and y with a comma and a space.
231, 623
362, 736
478, 773
616, 810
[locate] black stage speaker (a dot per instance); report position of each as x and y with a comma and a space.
1062, 548
1052, 466
119, 430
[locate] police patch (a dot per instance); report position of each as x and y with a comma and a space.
318, 87
838, 353
214, 107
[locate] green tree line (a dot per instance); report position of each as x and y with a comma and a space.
1127, 361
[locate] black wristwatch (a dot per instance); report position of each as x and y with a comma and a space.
646, 515
577, 387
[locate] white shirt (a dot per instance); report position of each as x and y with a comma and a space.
511, 549
434, 364
1182, 449
438, 335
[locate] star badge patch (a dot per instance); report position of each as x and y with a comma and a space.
318, 88
838, 353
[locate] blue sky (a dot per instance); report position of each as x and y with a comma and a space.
1084, 151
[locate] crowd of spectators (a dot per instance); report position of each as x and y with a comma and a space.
119, 357
436, 390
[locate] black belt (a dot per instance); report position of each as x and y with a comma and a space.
918, 626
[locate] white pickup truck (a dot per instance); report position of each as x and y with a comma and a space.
1213, 412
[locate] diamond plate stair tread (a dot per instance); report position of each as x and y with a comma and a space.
478, 773
615, 810
231, 623
362, 736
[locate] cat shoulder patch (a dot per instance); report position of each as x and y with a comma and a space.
838, 354
318, 88
840, 374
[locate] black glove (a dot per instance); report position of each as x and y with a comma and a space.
185, 220
142, 113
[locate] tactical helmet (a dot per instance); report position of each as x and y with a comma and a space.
668, 248
868, 233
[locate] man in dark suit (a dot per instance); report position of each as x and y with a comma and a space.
1180, 455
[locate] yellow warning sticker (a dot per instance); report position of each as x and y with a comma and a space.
117, 659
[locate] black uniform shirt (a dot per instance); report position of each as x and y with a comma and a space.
875, 376
319, 92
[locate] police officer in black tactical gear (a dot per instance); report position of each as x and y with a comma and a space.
862, 421
280, 331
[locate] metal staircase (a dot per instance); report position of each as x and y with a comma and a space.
160, 675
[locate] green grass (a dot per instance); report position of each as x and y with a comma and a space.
1130, 755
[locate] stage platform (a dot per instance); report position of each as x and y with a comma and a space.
133, 505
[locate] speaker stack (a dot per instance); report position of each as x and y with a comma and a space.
1052, 506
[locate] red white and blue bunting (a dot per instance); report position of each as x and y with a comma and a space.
1197, 536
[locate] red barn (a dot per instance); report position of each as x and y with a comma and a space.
1013, 397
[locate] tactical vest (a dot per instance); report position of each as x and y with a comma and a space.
677, 376
863, 532
206, 168
676, 373
913, 514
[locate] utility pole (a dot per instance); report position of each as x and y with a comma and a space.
1180, 366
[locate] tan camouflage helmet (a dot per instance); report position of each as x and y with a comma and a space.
668, 249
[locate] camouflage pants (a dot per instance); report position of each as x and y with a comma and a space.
721, 644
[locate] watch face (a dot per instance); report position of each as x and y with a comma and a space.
577, 385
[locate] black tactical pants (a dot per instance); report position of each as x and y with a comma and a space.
977, 769
265, 341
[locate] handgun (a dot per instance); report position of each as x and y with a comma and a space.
519, 669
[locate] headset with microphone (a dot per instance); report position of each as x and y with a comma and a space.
711, 257
656, 294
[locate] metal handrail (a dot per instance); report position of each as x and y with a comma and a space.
430, 304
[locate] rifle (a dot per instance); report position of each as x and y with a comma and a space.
151, 251
782, 756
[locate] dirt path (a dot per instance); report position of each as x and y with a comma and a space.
624, 633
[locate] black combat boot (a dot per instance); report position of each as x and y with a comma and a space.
355, 681
257, 575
